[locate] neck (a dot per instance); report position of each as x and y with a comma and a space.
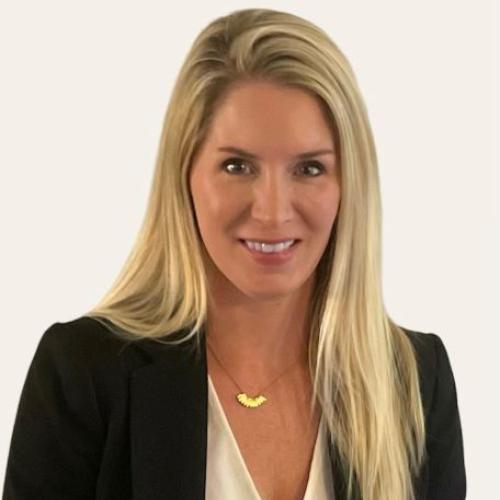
261, 338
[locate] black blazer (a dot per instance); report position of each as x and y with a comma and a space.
101, 418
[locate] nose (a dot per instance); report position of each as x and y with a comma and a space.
272, 202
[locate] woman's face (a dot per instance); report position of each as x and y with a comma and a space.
266, 191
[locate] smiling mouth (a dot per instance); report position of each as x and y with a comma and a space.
274, 257
270, 242
265, 247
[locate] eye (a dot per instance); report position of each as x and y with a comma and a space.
232, 167
231, 162
316, 165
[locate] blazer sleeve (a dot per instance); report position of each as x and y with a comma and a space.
56, 441
447, 480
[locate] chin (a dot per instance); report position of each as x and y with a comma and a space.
268, 293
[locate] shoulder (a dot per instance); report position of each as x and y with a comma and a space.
81, 337
86, 367
74, 397
82, 340
86, 346
436, 376
94, 345
430, 352
445, 476
424, 344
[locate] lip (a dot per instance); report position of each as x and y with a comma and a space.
271, 242
272, 259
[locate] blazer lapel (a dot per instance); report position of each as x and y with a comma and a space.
168, 425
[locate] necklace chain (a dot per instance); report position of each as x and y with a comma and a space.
243, 398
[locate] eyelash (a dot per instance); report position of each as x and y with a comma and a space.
316, 164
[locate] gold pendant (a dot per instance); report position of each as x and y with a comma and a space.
249, 402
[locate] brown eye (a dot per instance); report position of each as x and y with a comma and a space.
314, 166
232, 165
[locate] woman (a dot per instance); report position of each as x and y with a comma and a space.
245, 351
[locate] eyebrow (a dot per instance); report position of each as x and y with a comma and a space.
308, 154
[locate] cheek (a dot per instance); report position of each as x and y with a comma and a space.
214, 207
217, 206
322, 208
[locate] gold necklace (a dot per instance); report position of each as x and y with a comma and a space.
242, 397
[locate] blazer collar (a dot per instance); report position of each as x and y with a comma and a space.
168, 424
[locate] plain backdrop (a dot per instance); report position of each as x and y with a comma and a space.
83, 91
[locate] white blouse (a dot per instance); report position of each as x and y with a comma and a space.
227, 473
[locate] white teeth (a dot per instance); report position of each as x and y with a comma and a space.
268, 248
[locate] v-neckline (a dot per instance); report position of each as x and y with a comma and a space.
236, 448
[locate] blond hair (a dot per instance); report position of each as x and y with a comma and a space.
362, 364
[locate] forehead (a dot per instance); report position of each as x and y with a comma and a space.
270, 116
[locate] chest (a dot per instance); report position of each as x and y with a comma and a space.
276, 440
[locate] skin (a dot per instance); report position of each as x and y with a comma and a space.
257, 314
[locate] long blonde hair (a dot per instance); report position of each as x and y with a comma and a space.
362, 364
